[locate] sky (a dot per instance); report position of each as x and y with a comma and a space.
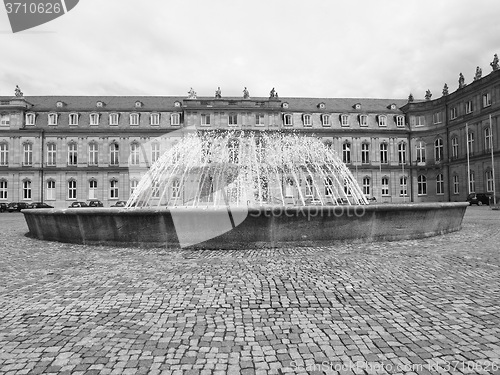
308, 48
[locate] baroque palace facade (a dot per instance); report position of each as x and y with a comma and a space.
60, 149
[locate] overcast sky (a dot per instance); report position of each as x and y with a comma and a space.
306, 48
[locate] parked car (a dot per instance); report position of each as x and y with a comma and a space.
39, 205
94, 203
479, 198
119, 204
78, 204
17, 206
3, 207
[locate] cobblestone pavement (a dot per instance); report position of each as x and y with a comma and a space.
408, 307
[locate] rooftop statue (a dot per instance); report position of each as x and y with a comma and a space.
18, 91
461, 81
494, 64
428, 95
246, 94
272, 94
445, 89
479, 73
218, 93
191, 94
410, 98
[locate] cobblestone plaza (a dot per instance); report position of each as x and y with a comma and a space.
407, 307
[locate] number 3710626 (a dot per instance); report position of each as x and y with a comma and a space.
39, 8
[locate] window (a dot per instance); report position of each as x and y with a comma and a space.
4, 154
384, 153
50, 192
489, 180
113, 118
402, 153
453, 113
154, 119
470, 143
175, 119
437, 118
365, 153
114, 154
403, 186
155, 189
155, 152
420, 152
134, 154
454, 147
439, 184
205, 120
325, 120
94, 119
233, 150
382, 121
133, 185
363, 120
487, 139
27, 154
176, 189
438, 150
72, 189
30, 119
456, 184
134, 119
3, 189
417, 120
486, 100
93, 154
307, 120
92, 189
329, 187
346, 152
472, 182
366, 185
72, 154
468, 107
347, 188
385, 186
259, 119
232, 119
421, 185
287, 120
73, 118
4, 120
400, 121
26, 189
51, 154
53, 118
113, 189
344, 120
309, 187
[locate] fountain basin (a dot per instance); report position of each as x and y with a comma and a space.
210, 227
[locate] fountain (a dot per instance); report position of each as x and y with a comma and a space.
240, 189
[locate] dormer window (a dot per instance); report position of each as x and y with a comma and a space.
321, 106
363, 120
94, 119
175, 119
307, 120
52, 119
357, 106
392, 106
325, 120
59, 104
154, 119
287, 119
99, 104
134, 119
285, 105
73, 118
400, 121
30, 119
138, 104
177, 104
382, 120
113, 118
344, 120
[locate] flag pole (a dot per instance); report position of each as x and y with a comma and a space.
492, 163
468, 161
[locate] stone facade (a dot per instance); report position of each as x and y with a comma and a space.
60, 149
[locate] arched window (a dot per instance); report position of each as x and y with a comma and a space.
402, 153
134, 119
440, 184
309, 187
438, 150
489, 180
113, 189
365, 153
93, 153
470, 143
346, 152
329, 187
366, 185
472, 182
94, 119
4, 153
3, 189
72, 189
456, 184
289, 187
134, 154
27, 189
51, 154
114, 154
133, 185
72, 153
176, 189
384, 153
50, 192
325, 120
27, 154
403, 186
420, 148
92, 188
307, 120
385, 186
454, 147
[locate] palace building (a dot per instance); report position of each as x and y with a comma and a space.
60, 149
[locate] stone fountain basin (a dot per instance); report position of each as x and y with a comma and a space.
210, 227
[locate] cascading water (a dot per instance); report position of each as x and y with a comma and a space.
247, 169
